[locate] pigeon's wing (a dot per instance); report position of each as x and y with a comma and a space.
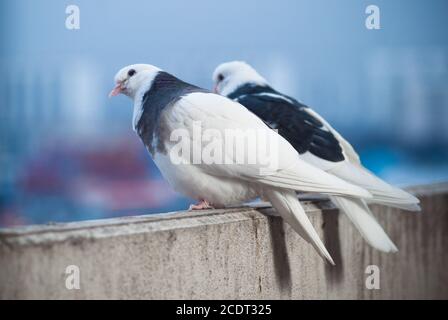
349, 153
354, 172
280, 166
351, 170
305, 131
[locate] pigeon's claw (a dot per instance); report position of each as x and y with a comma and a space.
202, 205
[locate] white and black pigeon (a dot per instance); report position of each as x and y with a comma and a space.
164, 104
317, 143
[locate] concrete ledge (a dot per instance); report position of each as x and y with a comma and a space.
238, 253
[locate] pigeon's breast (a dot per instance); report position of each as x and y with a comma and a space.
194, 183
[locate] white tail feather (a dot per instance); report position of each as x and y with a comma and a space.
382, 192
289, 207
361, 216
404, 206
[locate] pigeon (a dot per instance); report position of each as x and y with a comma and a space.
317, 143
165, 106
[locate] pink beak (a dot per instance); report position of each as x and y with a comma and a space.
116, 90
215, 88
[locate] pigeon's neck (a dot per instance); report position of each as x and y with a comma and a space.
163, 91
138, 98
250, 88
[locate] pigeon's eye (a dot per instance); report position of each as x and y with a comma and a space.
131, 72
220, 77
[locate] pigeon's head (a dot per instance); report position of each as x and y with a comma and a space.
130, 79
230, 76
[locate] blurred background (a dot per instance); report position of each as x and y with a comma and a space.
68, 153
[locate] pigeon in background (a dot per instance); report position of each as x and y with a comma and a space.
317, 143
164, 104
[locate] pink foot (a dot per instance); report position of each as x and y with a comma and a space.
202, 205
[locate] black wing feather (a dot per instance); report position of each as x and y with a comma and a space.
295, 124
